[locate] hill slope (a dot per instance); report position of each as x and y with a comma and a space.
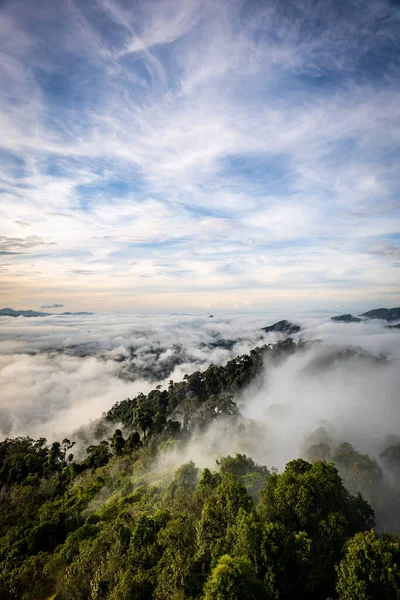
129, 520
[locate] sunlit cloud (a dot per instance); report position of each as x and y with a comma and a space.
186, 153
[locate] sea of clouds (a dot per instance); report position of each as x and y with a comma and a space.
58, 373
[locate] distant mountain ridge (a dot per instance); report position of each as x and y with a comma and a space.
383, 314
81, 312
346, 319
386, 314
10, 312
282, 327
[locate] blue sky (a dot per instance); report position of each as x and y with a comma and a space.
161, 155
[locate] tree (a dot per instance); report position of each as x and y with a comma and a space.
177, 570
253, 476
28, 582
240, 465
144, 553
234, 579
184, 480
312, 498
370, 569
305, 494
285, 561
359, 472
215, 407
144, 550
117, 442
57, 456
245, 537
19, 466
391, 459
206, 487
98, 456
316, 452
133, 442
219, 513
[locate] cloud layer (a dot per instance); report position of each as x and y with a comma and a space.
177, 154
58, 373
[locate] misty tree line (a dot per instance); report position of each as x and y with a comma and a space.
117, 525
202, 397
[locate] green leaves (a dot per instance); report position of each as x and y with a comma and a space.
253, 476
234, 579
117, 442
178, 571
208, 538
304, 494
312, 499
218, 515
198, 400
284, 553
370, 569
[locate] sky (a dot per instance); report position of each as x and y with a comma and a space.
199, 155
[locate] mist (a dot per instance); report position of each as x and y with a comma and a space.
342, 386
60, 373
354, 399
311, 394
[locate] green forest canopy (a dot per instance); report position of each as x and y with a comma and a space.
113, 526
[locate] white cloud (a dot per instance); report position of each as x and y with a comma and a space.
58, 373
231, 130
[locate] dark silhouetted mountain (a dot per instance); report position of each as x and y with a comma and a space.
386, 314
393, 326
77, 313
282, 327
346, 319
9, 312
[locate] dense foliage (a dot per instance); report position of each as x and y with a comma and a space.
118, 524
200, 398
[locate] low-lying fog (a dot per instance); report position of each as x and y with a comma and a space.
59, 372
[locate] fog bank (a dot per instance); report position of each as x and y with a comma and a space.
58, 373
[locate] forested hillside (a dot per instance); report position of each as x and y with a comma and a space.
118, 523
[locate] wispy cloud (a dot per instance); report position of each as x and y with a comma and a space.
24, 245
195, 150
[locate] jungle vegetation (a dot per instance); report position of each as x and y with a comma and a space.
113, 525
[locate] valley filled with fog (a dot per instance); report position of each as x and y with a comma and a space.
60, 373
